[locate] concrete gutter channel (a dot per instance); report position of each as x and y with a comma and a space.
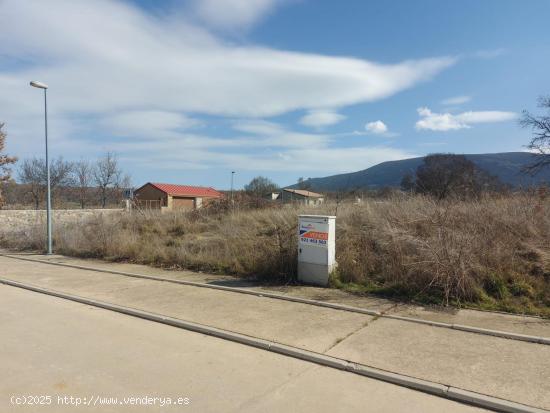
470, 329
433, 388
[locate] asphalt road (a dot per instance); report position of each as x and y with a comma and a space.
61, 353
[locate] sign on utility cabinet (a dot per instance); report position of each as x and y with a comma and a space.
316, 248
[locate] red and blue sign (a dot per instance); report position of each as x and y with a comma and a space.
310, 235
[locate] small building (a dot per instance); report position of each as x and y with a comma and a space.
296, 195
174, 197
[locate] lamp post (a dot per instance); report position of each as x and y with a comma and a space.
43, 86
232, 175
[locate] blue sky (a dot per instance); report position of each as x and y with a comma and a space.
187, 91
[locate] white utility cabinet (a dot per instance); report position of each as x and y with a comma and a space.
316, 248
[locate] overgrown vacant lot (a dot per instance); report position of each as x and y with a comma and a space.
492, 253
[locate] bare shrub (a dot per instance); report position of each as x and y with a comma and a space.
248, 243
447, 252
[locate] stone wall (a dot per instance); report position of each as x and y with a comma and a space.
13, 219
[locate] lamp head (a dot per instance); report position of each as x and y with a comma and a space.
39, 85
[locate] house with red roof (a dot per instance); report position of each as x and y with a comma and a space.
174, 197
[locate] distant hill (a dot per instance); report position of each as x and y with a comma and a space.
506, 166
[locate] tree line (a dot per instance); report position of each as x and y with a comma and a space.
86, 178
87, 183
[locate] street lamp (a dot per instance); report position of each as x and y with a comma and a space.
232, 175
41, 85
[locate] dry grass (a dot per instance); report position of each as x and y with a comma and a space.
492, 253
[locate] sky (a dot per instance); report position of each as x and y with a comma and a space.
188, 91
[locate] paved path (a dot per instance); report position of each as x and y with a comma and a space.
497, 321
507, 369
56, 347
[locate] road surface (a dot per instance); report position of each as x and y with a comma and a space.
76, 353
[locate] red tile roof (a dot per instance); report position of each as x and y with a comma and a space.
187, 190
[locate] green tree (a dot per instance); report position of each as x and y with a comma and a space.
260, 186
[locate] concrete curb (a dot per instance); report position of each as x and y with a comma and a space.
476, 330
342, 307
436, 389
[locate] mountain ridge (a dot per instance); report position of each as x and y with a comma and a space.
507, 166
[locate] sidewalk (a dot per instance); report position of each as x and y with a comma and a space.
498, 367
512, 323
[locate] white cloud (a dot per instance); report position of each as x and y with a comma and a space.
258, 126
137, 59
266, 146
314, 159
229, 14
447, 121
490, 54
113, 69
488, 116
456, 100
275, 135
321, 118
438, 121
149, 123
377, 127
323, 160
